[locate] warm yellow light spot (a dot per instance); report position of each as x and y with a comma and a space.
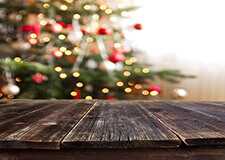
128, 62
58, 54
46, 5
133, 59
68, 52
33, 41
33, 35
120, 84
154, 93
105, 90
76, 49
73, 93
130, 83
46, 39
95, 16
18, 79
1, 94
76, 16
103, 7
17, 59
58, 69
128, 90
62, 49
79, 84
87, 7
117, 45
108, 11
76, 74
145, 92
137, 70
88, 98
43, 22
69, 1
145, 70
126, 73
138, 86
61, 37
63, 7
89, 39
63, 75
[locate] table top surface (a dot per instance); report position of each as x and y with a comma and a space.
67, 124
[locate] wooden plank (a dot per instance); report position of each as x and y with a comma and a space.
210, 109
121, 124
43, 128
191, 153
14, 109
194, 128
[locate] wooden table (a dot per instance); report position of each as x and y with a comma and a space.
111, 130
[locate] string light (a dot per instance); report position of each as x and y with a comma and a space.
95, 16
145, 70
17, 59
119, 84
76, 49
145, 92
62, 49
63, 75
73, 93
154, 93
128, 90
63, 7
126, 73
105, 90
68, 52
69, 1
43, 22
76, 16
89, 39
87, 7
130, 83
108, 11
58, 69
103, 7
61, 37
88, 98
79, 84
33, 41
46, 39
18, 79
57, 54
76, 74
33, 35
137, 70
137, 86
46, 5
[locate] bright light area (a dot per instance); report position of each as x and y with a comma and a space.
189, 29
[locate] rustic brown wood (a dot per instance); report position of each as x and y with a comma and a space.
44, 127
194, 128
120, 124
215, 110
214, 153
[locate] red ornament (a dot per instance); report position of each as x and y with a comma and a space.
138, 26
116, 56
36, 28
103, 31
111, 98
154, 87
65, 25
39, 78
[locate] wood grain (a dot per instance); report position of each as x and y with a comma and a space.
43, 128
120, 124
194, 128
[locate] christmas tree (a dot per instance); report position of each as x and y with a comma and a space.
72, 49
